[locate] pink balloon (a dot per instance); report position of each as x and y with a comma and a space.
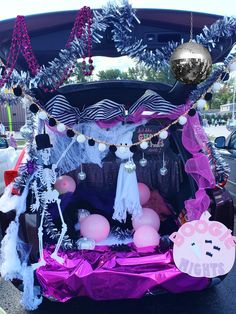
65, 184
149, 217
144, 193
146, 236
95, 227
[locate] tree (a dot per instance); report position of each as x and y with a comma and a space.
111, 74
224, 96
77, 76
144, 73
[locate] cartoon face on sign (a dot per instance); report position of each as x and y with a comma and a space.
204, 248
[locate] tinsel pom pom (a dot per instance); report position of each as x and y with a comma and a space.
81, 138
144, 145
70, 133
52, 122
133, 148
154, 139
208, 96
91, 142
17, 91
163, 135
201, 103
34, 108
112, 148
192, 112
102, 147
182, 120
224, 76
61, 127
42, 115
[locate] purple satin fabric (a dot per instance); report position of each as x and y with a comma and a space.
103, 274
138, 116
194, 140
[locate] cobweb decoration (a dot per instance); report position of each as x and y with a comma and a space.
82, 152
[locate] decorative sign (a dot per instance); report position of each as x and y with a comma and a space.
204, 248
144, 132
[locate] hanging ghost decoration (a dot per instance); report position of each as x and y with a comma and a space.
127, 194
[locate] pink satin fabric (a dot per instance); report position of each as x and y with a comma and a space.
138, 116
103, 274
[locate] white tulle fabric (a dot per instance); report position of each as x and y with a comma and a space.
127, 195
83, 152
31, 298
10, 264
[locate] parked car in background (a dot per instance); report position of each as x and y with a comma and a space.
231, 125
8, 157
228, 150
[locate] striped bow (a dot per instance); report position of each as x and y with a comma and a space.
60, 109
153, 102
107, 109
103, 110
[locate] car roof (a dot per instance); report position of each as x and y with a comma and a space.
49, 33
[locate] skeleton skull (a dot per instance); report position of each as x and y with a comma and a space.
45, 155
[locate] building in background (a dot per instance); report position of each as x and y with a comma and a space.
227, 108
12, 117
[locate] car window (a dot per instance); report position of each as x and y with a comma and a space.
120, 68
232, 142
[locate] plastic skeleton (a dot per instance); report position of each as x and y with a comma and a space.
47, 175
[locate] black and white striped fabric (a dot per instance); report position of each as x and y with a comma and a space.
103, 110
59, 108
153, 102
106, 109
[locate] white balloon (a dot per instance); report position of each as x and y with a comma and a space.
163, 135
81, 138
182, 120
42, 115
216, 87
201, 103
144, 145
61, 127
102, 147
232, 67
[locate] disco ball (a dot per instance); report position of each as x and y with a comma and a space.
191, 63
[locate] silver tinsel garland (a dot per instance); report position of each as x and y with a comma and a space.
28, 133
122, 19
54, 233
9, 98
213, 77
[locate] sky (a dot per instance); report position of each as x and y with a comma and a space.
12, 8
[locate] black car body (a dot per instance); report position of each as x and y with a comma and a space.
162, 25
228, 151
